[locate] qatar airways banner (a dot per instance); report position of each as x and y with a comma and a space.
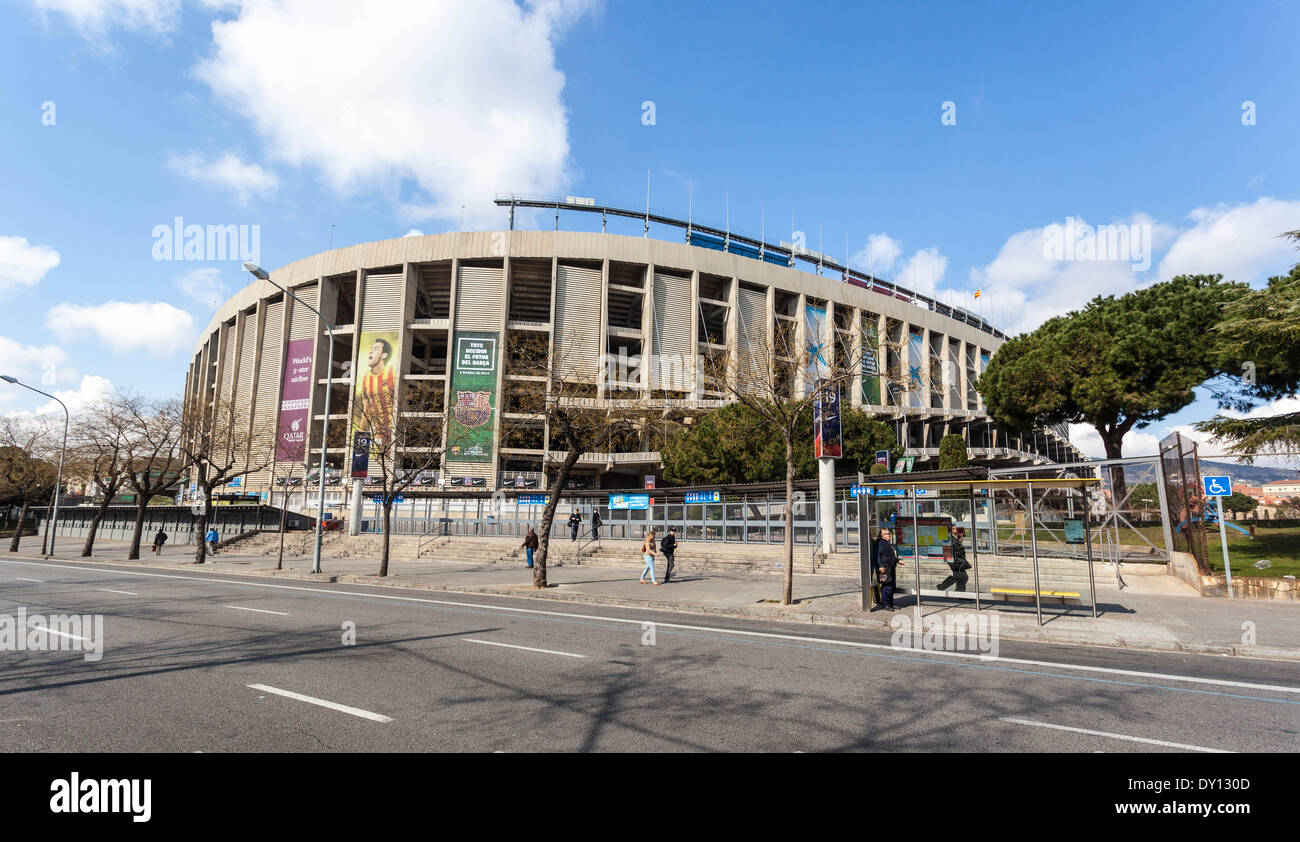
295, 394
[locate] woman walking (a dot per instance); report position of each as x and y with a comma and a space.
648, 553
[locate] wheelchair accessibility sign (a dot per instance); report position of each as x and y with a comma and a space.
1217, 486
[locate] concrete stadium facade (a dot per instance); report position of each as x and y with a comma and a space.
603, 299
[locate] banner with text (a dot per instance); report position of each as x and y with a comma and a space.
295, 395
473, 397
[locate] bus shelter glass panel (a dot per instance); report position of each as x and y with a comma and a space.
734, 516
712, 521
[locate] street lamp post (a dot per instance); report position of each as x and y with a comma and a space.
261, 274
58, 482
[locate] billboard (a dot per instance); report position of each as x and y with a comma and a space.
826, 423
295, 393
474, 396
360, 454
376, 384
817, 366
870, 367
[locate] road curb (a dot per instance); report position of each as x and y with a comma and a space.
557, 594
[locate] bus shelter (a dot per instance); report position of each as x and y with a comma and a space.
982, 539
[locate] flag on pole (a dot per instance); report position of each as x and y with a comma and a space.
977, 293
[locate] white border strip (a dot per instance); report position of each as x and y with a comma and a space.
126, 593
258, 610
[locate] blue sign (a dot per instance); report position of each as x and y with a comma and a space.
704, 497
878, 491
533, 499
856, 491
629, 501
1217, 486
237, 482
882, 458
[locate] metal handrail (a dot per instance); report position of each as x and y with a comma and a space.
427, 538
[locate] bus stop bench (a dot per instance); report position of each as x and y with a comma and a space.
1027, 595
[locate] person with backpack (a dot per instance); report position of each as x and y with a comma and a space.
212, 538
158, 541
669, 546
530, 544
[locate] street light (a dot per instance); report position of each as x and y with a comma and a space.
262, 275
58, 482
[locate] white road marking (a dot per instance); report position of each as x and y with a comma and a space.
312, 700
637, 622
1115, 736
65, 634
525, 648
24, 579
128, 593
258, 610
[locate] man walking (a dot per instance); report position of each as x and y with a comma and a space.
530, 544
212, 538
669, 546
158, 541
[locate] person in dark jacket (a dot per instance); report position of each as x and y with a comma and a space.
159, 540
595, 525
958, 565
575, 521
886, 566
530, 544
669, 546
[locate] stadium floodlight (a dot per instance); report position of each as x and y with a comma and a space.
262, 275
58, 482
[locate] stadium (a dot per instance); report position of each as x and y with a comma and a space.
637, 314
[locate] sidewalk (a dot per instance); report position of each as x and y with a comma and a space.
1154, 612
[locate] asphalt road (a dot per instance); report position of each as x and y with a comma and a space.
196, 662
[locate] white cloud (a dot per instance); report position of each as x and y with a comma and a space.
1240, 242
23, 264
203, 286
154, 326
470, 108
414, 232
228, 172
42, 366
925, 270
93, 18
879, 255
1135, 443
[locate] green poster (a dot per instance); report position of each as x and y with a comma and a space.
473, 397
870, 369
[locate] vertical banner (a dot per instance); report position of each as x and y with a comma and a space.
376, 384
817, 367
870, 368
474, 396
360, 455
295, 394
826, 423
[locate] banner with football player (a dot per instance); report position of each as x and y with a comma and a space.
473, 396
376, 384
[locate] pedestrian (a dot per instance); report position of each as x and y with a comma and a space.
595, 524
958, 564
669, 546
212, 538
886, 564
159, 540
648, 555
575, 521
530, 544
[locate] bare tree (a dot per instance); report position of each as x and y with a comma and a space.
100, 455
220, 441
557, 389
155, 461
26, 477
294, 453
405, 441
779, 373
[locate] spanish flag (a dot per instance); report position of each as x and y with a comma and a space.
977, 293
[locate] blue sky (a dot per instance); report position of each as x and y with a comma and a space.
381, 118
